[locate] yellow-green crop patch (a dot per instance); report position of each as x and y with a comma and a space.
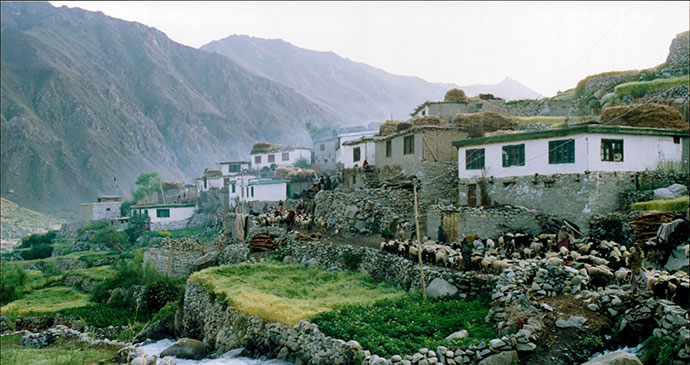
67, 353
539, 119
46, 301
290, 293
666, 205
98, 273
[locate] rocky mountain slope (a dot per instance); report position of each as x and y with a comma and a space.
17, 222
355, 92
89, 102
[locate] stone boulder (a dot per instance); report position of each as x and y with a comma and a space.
678, 189
459, 334
440, 288
572, 321
501, 358
208, 260
664, 193
615, 358
186, 348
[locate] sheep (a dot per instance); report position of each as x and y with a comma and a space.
527, 253
536, 247
599, 275
622, 275
499, 265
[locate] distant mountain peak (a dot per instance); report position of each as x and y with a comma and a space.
508, 89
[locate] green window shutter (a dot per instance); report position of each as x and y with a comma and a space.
562, 151
252, 191
514, 155
474, 159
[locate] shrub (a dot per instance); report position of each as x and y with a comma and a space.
92, 227
111, 238
351, 260
302, 163
159, 293
12, 282
102, 315
38, 252
659, 350
37, 239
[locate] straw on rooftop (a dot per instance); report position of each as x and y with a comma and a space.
650, 115
477, 124
427, 120
393, 126
294, 174
263, 147
212, 173
456, 95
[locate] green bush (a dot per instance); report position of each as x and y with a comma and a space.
12, 282
351, 260
401, 326
92, 227
111, 238
37, 239
103, 315
159, 293
659, 351
639, 89
302, 163
41, 251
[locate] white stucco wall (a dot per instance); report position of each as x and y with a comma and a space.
266, 192
225, 168
342, 155
640, 152
367, 151
176, 213
211, 182
293, 156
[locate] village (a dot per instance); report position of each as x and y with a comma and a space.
458, 200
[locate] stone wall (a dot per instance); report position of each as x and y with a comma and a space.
544, 107
487, 222
177, 262
678, 55
222, 328
576, 197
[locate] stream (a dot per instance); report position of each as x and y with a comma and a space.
155, 348
631, 350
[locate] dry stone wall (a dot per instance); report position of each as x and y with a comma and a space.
174, 257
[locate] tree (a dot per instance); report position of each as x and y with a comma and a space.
302, 163
316, 132
148, 182
12, 282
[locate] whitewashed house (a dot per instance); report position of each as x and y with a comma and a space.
355, 152
165, 216
266, 190
325, 154
106, 207
234, 167
266, 155
573, 172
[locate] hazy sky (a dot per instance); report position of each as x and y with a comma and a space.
548, 46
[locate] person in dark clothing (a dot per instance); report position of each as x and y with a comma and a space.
466, 251
290, 218
328, 183
441, 235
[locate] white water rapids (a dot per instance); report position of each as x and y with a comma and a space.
155, 348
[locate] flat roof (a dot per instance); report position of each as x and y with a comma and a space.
266, 182
233, 162
142, 206
415, 129
580, 129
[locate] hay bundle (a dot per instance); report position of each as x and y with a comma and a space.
294, 174
212, 173
644, 115
171, 185
427, 120
393, 126
455, 95
476, 124
264, 147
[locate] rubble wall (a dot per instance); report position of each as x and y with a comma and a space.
489, 222
576, 197
181, 258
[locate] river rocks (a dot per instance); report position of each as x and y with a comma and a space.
615, 358
234, 254
186, 348
503, 358
572, 321
440, 288
207, 260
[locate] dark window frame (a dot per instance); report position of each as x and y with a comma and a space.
356, 154
389, 148
271, 158
561, 151
612, 150
408, 145
474, 158
322, 147
257, 159
285, 156
162, 212
513, 155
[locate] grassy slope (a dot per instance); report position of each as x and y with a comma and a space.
666, 205
46, 301
290, 293
67, 353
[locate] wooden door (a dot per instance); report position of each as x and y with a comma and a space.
450, 226
472, 195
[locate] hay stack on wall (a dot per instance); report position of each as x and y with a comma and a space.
455, 95
476, 124
265, 147
427, 120
294, 174
171, 185
393, 126
644, 115
212, 173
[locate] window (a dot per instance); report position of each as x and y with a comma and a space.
562, 151
474, 159
514, 155
286, 156
322, 147
408, 145
676, 139
389, 149
271, 158
257, 159
107, 209
163, 213
234, 168
205, 183
356, 154
252, 191
612, 150
226, 181
325, 160
233, 187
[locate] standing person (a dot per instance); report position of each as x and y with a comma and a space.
290, 218
638, 274
564, 238
441, 235
466, 251
328, 183
265, 208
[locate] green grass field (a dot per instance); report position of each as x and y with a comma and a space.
666, 205
641, 88
61, 353
290, 293
46, 301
